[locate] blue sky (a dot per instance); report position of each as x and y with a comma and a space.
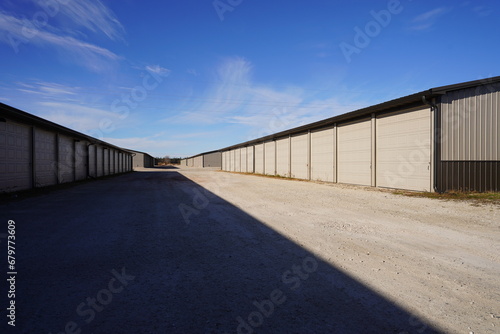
181, 77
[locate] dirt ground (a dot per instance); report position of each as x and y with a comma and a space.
203, 251
437, 259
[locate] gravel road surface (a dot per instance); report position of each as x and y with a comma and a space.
203, 251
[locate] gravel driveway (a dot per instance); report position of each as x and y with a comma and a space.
204, 251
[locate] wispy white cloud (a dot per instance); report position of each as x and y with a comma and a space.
77, 117
482, 11
157, 69
234, 98
426, 20
92, 15
15, 33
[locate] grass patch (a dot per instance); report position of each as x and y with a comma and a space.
487, 197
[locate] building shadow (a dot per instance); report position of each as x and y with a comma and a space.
154, 252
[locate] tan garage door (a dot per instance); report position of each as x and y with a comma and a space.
243, 154
270, 159
259, 159
300, 151
283, 157
404, 150
250, 161
237, 160
354, 153
323, 155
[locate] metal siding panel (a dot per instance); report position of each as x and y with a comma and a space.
404, 150
270, 158
250, 159
470, 124
45, 158
212, 160
198, 162
322, 155
15, 155
299, 157
106, 161
259, 159
354, 153
283, 157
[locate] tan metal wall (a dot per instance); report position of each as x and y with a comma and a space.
470, 124
45, 158
404, 150
259, 159
283, 157
323, 153
300, 157
15, 143
270, 158
354, 153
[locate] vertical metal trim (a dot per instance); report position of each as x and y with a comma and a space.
373, 164
290, 155
275, 157
334, 153
57, 160
309, 155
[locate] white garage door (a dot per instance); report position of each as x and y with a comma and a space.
15, 155
259, 159
323, 155
270, 159
404, 150
250, 159
354, 153
244, 160
231, 161
237, 160
283, 157
45, 158
300, 151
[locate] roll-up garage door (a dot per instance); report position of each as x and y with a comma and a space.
300, 151
15, 155
283, 157
354, 153
250, 155
323, 155
66, 156
45, 156
81, 160
244, 160
270, 158
404, 150
100, 161
237, 160
259, 159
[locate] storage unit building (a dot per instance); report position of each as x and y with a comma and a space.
35, 153
441, 139
142, 160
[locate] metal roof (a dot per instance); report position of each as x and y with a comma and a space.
32, 120
406, 101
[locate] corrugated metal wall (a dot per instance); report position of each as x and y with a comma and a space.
237, 160
244, 157
470, 141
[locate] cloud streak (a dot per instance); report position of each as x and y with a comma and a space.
426, 20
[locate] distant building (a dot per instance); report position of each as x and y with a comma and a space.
142, 160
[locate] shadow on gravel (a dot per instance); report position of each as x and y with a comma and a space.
154, 252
